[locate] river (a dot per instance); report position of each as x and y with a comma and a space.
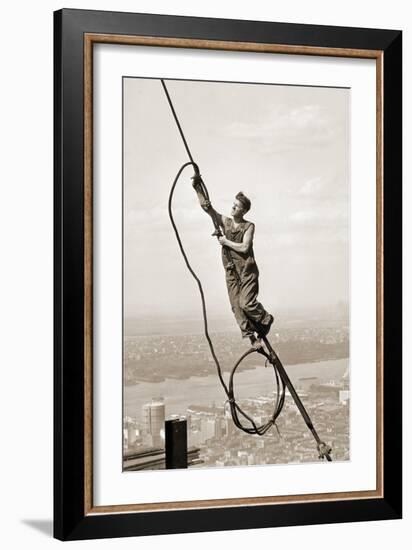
203, 391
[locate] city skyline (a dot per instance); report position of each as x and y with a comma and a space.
181, 323
216, 442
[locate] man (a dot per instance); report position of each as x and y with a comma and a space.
242, 274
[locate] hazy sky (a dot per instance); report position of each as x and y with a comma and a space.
285, 147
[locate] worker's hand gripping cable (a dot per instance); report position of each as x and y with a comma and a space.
201, 190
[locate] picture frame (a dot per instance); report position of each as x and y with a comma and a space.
76, 32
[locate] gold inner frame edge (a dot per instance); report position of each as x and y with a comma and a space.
89, 40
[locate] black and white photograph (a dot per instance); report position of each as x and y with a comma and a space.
236, 275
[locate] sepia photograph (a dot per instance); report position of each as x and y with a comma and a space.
236, 275
227, 274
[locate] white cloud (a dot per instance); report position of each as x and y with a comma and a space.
158, 216
320, 216
311, 124
312, 186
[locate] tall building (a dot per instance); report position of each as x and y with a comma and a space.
153, 418
219, 430
131, 435
208, 428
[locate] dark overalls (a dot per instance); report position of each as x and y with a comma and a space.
242, 280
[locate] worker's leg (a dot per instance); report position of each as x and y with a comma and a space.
249, 304
242, 320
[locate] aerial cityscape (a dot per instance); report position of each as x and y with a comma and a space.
281, 153
174, 376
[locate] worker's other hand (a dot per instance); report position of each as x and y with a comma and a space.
222, 240
206, 204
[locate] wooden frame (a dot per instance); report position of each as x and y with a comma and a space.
76, 31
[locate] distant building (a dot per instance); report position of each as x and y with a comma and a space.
306, 382
131, 436
202, 409
195, 438
153, 417
219, 428
344, 396
345, 379
208, 428
243, 458
327, 389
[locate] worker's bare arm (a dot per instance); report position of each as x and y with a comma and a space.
205, 203
245, 245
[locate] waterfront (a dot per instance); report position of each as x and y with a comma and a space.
204, 390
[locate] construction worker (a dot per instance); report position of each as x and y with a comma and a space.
242, 274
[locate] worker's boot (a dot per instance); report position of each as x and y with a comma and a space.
265, 328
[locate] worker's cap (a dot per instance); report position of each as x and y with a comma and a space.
244, 201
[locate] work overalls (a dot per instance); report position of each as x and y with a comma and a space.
242, 280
